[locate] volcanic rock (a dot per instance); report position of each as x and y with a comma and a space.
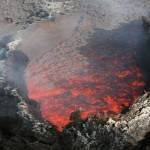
8, 114
42, 14
19, 126
128, 131
26, 11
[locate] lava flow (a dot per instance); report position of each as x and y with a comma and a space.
101, 77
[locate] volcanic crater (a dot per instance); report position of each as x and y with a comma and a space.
76, 79
93, 71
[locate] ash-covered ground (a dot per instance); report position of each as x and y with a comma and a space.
29, 37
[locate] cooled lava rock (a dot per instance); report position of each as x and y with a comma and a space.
130, 131
20, 128
8, 114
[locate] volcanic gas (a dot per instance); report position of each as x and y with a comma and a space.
101, 76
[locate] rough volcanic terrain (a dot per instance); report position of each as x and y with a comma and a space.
91, 64
74, 75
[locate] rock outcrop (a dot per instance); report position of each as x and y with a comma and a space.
29, 11
128, 131
20, 125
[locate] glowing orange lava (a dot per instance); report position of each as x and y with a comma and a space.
109, 89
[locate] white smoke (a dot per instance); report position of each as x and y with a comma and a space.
109, 14
14, 44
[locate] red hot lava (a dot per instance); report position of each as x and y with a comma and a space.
107, 91
105, 80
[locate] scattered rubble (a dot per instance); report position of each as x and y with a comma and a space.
126, 132
26, 11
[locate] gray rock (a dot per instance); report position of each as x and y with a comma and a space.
42, 14
130, 131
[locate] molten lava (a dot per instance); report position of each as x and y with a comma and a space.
112, 82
